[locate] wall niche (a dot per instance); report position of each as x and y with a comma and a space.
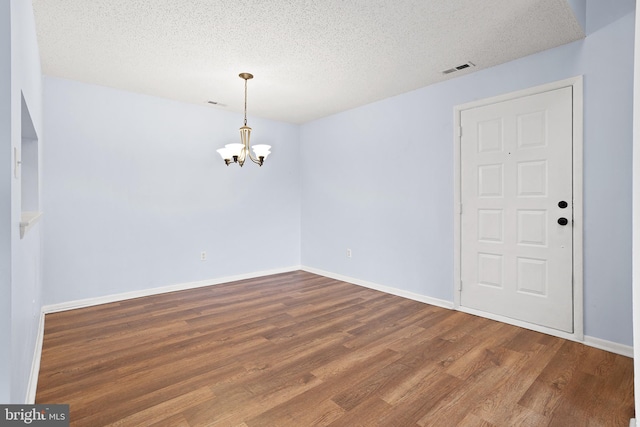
27, 171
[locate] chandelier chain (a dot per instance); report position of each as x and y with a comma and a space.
245, 102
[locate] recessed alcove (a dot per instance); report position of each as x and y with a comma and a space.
27, 171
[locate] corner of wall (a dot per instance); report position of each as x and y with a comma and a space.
579, 8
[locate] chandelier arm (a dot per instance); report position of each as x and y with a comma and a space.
254, 160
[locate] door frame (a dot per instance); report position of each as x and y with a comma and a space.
576, 83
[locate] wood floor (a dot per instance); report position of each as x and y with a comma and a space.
297, 349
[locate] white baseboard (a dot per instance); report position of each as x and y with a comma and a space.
601, 344
382, 288
70, 305
632, 422
30, 398
613, 347
610, 346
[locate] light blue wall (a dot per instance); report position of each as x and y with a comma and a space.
636, 217
23, 298
379, 179
135, 190
5, 206
600, 13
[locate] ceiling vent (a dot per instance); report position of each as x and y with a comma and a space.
459, 67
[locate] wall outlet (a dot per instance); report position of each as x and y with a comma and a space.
203, 256
348, 253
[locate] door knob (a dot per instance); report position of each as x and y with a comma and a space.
562, 204
563, 221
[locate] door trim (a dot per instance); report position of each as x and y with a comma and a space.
576, 83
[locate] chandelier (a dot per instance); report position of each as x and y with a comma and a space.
239, 152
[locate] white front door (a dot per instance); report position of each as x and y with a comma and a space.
517, 209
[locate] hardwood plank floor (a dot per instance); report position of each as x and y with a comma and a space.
297, 349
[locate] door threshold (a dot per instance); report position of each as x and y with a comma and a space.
522, 324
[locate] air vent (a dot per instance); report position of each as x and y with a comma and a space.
459, 67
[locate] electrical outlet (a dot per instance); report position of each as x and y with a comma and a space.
348, 253
203, 256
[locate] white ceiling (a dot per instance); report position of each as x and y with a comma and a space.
310, 58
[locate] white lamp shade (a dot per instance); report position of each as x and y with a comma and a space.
262, 150
235, 149
225, 153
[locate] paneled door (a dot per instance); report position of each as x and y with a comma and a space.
517, 210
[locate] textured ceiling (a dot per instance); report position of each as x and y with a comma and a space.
310, 58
